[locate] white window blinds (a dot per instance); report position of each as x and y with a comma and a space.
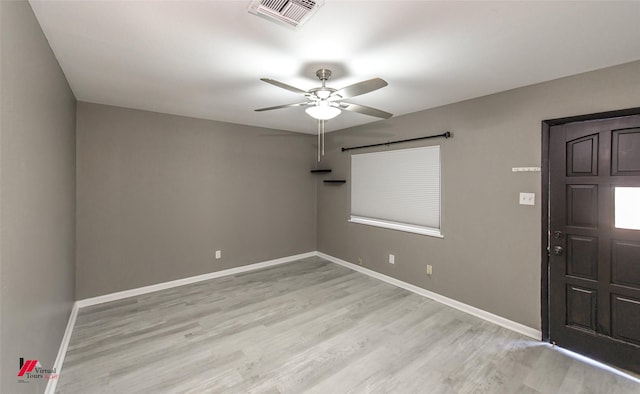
397, 189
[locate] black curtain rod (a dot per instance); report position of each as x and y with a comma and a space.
443, 135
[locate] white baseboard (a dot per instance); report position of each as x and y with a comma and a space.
185, 281
499, 320
62, 351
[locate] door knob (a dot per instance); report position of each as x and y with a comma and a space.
557, 250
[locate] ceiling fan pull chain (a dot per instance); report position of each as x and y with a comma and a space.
322, 137
319, 141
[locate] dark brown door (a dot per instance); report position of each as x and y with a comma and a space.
594, 239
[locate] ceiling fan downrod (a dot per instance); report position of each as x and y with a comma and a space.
323, 75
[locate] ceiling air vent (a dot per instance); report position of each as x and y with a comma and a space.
292, 13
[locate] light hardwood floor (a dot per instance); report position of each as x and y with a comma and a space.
309, 326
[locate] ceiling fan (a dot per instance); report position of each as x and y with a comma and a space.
325, 103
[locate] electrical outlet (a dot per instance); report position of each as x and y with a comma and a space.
392, 259
359, 260
429, 270
218, 254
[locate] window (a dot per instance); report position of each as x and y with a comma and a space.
397, 189
627, 208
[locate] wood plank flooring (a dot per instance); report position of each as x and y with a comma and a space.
309, 326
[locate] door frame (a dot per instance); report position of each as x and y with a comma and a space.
545, 238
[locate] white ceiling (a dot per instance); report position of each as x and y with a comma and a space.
204, 58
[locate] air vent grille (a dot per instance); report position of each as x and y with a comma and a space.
292, 13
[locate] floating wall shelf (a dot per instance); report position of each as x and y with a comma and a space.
327, 170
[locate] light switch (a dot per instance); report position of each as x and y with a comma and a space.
527, 199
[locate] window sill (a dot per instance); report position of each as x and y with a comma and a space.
431, 232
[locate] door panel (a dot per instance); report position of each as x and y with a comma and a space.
594, 267
625, 145
582, 156
582, 205
624, 328
625, 266
582, 257
581, 308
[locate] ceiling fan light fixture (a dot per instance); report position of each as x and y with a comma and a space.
323, 111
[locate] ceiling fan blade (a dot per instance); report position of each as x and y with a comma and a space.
361, 88
281, 106
283, 86
361, 109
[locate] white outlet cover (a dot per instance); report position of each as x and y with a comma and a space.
527, 199
392, 259
218, 254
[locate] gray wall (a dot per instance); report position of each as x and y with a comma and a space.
37, 138
490, 255
158, 194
